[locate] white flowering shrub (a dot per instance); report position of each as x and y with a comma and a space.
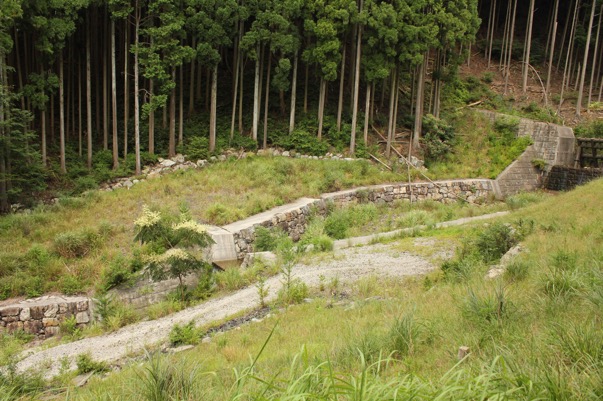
180, 245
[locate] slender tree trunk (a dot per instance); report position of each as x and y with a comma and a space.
567, 23
207, 89
126, 85
79, 107
568, 54
367, 107
43, 135
392, 99
191, 92
88, 95
105, 99
235, 91
136, 90
418, 126
293, 93
241, 85
526, 60
306, 89
551, 54
356, 90
341, 85
114, 98
62, 113
321, 106
151, 120
172, 132
595, 56
212, 114
4, 205
267, 96
256, 98
511, 36
505, 41
181, 108
585, 60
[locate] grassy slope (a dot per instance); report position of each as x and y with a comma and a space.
219, 194
550, 336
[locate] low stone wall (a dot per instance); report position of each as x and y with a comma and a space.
43, 316
293, 220
562, 178
147, 292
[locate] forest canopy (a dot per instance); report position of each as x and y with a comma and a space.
101, 86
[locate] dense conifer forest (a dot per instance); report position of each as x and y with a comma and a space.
91, 89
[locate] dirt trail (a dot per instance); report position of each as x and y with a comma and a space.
348, 265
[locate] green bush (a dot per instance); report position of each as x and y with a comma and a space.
494, 241
185, 334
304, 142
293, 293
71, 285
118, 271
268, 239
197, 148
85, 364
336, 225
437, 139
75, 244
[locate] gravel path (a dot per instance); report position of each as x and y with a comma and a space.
348, 265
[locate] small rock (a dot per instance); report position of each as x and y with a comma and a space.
286, 154
81, 380
201, 163
213, 159
308, 300
222, 158
494, 272
256, 320
206, 340
128, 184
82, 317
178, 158
167, 163
181, 348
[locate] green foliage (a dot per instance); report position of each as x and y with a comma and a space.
185, 334
489, 308
69, 327
484, 247
438, 138
267, 239
591, 129
85, 364
178, 240
118, 271
304, 142
76, 244
197, 148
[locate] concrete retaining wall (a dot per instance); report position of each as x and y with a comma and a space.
562, 178
43, 316
552, 143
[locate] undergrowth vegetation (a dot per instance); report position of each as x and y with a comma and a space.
533, 333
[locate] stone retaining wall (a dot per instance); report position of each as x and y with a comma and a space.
562, 178
43, 316
294, 221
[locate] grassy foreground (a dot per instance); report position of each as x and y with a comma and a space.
534, 333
